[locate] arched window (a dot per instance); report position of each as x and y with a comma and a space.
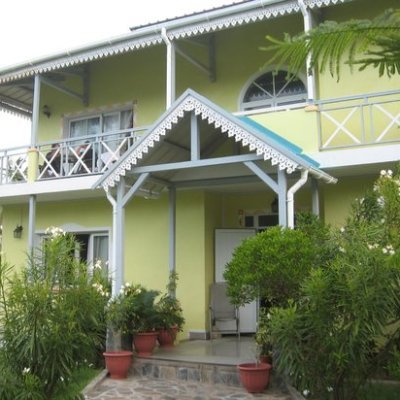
272, 89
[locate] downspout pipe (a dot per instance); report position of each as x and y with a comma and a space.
170, 68
308, 24
290, 197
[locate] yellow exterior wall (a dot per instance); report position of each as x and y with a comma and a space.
338, 198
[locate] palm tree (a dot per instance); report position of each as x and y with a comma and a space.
364, 43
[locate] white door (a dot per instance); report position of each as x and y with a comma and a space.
226, 240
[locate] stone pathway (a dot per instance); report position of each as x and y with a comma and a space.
140, 388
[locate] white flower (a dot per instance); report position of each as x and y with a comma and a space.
342, 250
391, 252
306, 392
384, 250
381, 201
61, 379
390, 172
329, 389
97, 264
26, 371
383, 172
342, 229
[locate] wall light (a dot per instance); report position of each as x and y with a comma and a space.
18, 232
46, 111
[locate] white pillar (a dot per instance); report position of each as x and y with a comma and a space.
282, 189
31, 224
170, 69
308, 25
118, 237
315, 197
172, 230
35, 110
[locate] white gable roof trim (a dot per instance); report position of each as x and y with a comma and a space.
267, 11
219, 121
230, 16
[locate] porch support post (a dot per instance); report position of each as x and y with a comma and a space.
282, 189
31, 223
35, 110
315, 197
118, 242
172, 231
170, 68
194, 137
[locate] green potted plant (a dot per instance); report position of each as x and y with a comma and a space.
171, 320
133, 310
263, 337
170, 314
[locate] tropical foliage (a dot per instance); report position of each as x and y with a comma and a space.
346, 320
364, 43
260, 266
52, 320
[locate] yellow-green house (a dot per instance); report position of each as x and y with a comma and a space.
163, 148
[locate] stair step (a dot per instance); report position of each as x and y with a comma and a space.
188, 371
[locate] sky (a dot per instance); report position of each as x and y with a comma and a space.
32, 29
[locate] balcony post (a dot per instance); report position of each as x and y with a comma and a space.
308, 25
170, 68
35, 110
33, 161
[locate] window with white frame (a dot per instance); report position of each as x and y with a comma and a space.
101, 123
273, 89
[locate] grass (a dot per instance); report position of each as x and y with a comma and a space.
80, 379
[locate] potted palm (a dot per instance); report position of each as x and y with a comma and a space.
171, 319
170, 314
133, 310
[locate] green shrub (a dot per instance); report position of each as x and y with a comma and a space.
270, 265
346, 319
52, 317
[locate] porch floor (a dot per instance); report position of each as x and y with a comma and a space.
228, 350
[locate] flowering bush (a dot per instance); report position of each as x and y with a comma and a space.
133, 310
347, 317
52, 319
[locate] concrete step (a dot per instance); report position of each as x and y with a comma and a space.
208, 373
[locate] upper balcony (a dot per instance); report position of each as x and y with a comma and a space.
335, 125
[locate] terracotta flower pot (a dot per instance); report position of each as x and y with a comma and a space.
144, 343
254, 377
118, 363
166, 337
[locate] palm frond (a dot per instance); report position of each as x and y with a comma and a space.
364, 42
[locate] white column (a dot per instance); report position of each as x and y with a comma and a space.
315, 197
172, 230
31, 224
308, 25
170, 69
282, 189
118, 237
35, 110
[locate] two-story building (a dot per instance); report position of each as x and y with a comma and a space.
157, 147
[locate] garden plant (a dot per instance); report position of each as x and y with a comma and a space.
52, 321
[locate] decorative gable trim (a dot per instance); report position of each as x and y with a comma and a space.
207, 22
259, 14
215, 118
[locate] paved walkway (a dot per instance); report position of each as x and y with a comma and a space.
140, 388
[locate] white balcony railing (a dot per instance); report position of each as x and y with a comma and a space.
14, 165
359, 120
84, 155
